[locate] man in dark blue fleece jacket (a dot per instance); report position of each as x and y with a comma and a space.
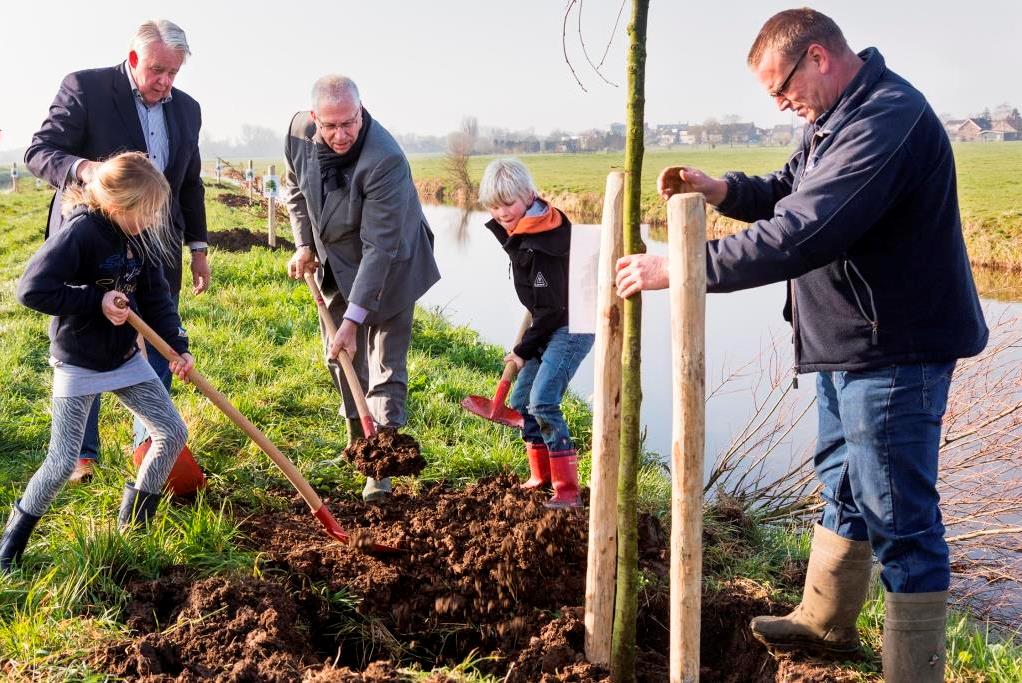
863, 223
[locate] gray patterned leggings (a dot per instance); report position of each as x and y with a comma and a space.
149, 401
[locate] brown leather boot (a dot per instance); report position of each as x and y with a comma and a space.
539, 465
914, 640
837, 581
82, 473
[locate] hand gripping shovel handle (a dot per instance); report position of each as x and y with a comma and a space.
220, 401
368, 425
510, 369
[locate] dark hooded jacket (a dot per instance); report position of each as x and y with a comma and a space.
864, 223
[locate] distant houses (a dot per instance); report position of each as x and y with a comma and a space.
981, 129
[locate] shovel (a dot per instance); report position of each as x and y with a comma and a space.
314, 502
354, 386
496, 409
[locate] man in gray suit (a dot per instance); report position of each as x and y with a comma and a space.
358, 225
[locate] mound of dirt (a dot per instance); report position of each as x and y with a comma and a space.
219, 628
242, 240
386, 454
486, 569
233, 200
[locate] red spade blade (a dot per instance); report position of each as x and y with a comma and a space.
484, 408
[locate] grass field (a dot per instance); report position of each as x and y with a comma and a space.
255, 336
989, 185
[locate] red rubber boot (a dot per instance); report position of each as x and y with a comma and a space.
564, 473
539, 465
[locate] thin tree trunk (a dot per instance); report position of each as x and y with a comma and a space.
622, 662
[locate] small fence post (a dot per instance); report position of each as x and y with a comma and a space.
601, 567
14, 176
686, 235
219, 170
250, 177
271, 204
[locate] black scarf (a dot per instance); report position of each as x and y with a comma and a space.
334, 166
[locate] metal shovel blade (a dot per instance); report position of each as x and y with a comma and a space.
485, 408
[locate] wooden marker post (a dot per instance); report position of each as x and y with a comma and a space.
14, 176
686, 234
219, 170
271, 206
250, 179
601, 569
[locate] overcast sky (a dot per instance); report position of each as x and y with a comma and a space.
423, 66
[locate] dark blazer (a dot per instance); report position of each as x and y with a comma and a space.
371, 233
93, 117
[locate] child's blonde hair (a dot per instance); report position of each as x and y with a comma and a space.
504, 181
129, 183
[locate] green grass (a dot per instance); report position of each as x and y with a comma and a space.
255, 336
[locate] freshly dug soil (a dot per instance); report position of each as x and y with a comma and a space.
386, 454
487, 569
234, 200
242, 240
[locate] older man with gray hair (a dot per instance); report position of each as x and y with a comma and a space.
133, 106
358, 225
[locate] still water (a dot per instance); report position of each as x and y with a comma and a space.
748, 347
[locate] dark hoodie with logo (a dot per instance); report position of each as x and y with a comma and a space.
67, 278
538, 248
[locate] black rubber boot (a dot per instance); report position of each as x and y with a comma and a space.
12, 544
137, 507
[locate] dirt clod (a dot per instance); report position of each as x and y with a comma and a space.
386, 454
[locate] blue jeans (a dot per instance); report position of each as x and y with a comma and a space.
876, 455
90, 443
542, 384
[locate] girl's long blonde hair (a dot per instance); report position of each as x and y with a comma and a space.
129, 183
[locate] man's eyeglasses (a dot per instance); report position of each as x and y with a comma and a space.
348, 125
779, 90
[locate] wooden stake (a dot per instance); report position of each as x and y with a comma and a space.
250, 177
271, 210
602, 564
686, 234
14, 176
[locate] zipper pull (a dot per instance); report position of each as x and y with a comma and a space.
794, 377
508, 270
876, 333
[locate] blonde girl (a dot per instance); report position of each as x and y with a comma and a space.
111, 249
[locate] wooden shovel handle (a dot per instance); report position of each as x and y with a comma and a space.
510, 369
220, 401
349, 370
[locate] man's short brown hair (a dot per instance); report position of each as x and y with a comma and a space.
792, 31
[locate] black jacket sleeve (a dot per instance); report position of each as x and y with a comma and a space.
192, 196
56, 145
549, 278
44, 286
157, 308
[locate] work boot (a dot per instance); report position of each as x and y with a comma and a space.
837, 581
914, 637
376, 490
83, 472
137, 507
564, 475
12, 543
539, 465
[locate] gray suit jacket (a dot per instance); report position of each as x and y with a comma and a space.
371, 233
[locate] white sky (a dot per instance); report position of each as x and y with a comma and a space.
422, 66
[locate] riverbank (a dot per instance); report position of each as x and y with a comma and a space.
990, 188
242, 578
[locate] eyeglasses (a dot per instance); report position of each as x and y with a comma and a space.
779, 91
348, 125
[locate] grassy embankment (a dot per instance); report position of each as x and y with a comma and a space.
255, 336
989, 186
